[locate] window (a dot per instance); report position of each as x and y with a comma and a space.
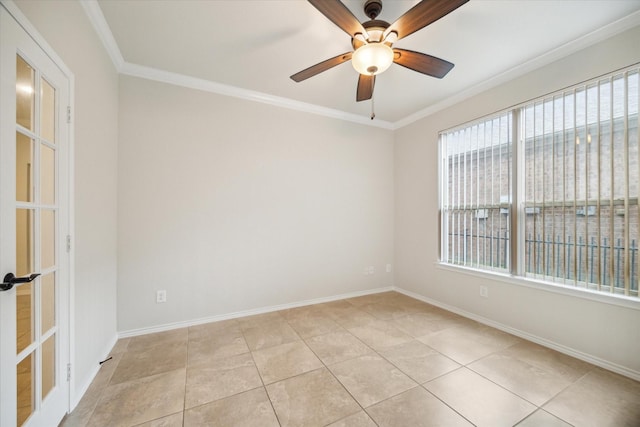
475, 203
549, 190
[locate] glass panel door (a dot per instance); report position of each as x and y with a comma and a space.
34, 313
36, 209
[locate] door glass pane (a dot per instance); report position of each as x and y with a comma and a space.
48, 365
24, 168
26, 390
47, 238
48, 301
24, 242
25, 96
25, 306
47, 111
47, 175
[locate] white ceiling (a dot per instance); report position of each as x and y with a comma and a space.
257, 44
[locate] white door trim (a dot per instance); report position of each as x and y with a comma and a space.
22, 20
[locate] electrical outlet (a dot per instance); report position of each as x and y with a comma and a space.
484, 292
388, 268
372, 269
161, 296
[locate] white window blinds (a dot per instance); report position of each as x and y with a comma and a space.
575, 169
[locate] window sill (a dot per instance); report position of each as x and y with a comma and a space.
612, 299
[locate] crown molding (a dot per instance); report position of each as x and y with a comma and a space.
96, 17
249, 95
560, 52
99, 23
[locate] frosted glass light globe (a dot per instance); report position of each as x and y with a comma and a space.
372, 58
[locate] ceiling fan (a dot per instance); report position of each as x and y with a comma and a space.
372, 41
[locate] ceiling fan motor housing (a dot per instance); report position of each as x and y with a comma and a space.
372, 8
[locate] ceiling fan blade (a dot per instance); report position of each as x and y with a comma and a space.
320, 67
422, 63
365, 87
340, 15
421, 15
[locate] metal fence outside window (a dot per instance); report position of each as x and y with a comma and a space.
568, 259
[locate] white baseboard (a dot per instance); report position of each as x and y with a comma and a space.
610, 366
234, 315
79, 392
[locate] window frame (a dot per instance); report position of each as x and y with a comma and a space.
516, 270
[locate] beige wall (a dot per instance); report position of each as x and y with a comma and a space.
600, 330
231, 205
66, 28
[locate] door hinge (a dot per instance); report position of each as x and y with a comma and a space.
68, 372
68, 243
69, 114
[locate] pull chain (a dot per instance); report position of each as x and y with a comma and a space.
373, 114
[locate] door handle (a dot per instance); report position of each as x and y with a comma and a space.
10, 279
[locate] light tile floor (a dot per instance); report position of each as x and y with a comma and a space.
377, 360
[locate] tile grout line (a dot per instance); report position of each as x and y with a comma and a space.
186, 378
376, 352
263, 385
261, 379
593, 367
326, 367
445, 403
466, 366
538, 407
417, 384
423, 384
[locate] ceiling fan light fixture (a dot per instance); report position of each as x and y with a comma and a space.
372, 58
